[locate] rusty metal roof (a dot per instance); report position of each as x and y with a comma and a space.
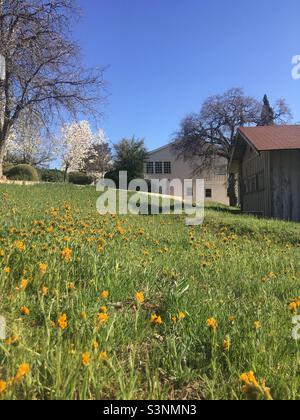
276, 137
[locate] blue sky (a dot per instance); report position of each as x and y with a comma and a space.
166, 56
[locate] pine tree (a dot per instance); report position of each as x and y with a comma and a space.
267, 114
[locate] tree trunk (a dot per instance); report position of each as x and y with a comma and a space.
2, 152
232, 193
66, 173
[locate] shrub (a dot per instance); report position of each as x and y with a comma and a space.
7, 167
114, 176
79, 178
51, 175
23, 173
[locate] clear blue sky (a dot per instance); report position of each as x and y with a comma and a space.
166, 56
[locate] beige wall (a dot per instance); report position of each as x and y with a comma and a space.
182, 170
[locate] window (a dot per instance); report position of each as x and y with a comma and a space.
158, 167
167, 167
208, 193
222, 170
150, 168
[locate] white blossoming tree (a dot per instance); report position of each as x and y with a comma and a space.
28, 143
76, 142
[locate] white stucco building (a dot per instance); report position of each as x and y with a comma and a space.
163, 163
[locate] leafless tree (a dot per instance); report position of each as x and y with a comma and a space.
212, 132
43, 71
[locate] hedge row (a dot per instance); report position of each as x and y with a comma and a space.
29, 173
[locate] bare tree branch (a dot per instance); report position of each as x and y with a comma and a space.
43, 71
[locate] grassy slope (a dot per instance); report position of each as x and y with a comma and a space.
216, 270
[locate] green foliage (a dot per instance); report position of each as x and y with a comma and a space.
23, 173
79, 178
7, 167
267, 114
51, 175
130, 155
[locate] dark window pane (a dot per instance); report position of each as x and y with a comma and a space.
208, 193
150, 168
158, 167
167, 167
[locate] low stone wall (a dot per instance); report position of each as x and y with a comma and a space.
5, 181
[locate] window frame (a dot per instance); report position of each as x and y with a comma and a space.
167, 168
158, 171
149, 165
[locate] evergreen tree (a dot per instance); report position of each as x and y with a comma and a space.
267, 113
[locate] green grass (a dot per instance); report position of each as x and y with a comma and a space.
235, 269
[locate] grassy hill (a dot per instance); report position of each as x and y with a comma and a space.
144, 307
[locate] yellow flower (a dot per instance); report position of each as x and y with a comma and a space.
103, 309
11, 340
25, 310
103, 356
20, 246
257, 325
85, 359
174, 319
83, 315
43, 268
23, 284
63, 321
212, 324
3, 386
121, 230
105, 294
95, 345
45, 290
157, 320
103, 317
182, 315
253, 389
295, 305
139, 296
66, 254
227, 344
6, 270
23, 370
